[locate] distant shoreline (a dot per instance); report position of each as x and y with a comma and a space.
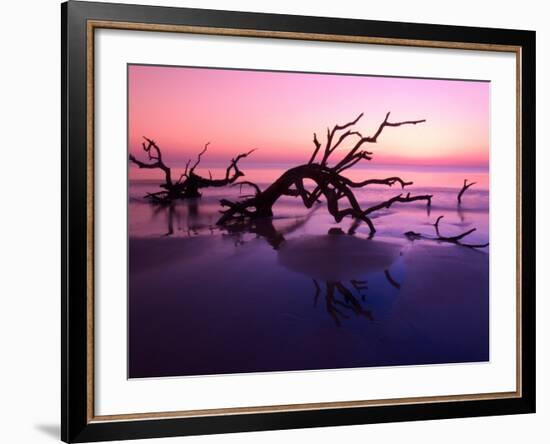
366, 166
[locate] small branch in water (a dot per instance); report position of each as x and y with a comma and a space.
463, 190
457, 240
398, 198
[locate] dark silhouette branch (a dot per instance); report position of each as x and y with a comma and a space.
354, 155
329, 149
199, 156
457, 239
385, 123
250, 184
390, 181
317, 148
328, 181
154, 154
399, 198
463, 190
189, 183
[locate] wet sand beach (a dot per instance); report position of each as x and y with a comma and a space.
285, 295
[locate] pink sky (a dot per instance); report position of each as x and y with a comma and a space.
277, 113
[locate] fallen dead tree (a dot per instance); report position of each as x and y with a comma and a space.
328, 180
189, 184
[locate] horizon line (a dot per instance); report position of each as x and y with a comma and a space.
268, 164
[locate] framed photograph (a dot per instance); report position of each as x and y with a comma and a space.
275, 221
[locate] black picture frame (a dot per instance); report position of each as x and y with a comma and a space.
76, 423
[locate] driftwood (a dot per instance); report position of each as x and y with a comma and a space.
457, 240
328, 179
189, 183
463, 190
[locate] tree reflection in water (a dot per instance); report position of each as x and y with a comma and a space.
181, 216
333, 261
340, 300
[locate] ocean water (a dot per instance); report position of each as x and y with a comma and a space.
284, 295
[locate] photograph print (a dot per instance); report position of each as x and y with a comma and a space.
290, 221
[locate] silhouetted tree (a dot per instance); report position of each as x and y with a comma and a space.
189, 183
328, 179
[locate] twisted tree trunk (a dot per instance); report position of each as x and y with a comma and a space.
328, 179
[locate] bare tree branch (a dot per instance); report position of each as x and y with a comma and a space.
385, 123
328, 181
457, 239
189, 182
250, 184
196, 164
316, 150
390, 181
329, 149
399, 198
158, 163
463, 190
354, 155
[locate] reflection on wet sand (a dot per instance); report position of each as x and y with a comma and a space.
331, 260
281, 294
339, 308
184, 216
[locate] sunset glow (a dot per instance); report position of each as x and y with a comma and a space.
307, 255
277, 113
